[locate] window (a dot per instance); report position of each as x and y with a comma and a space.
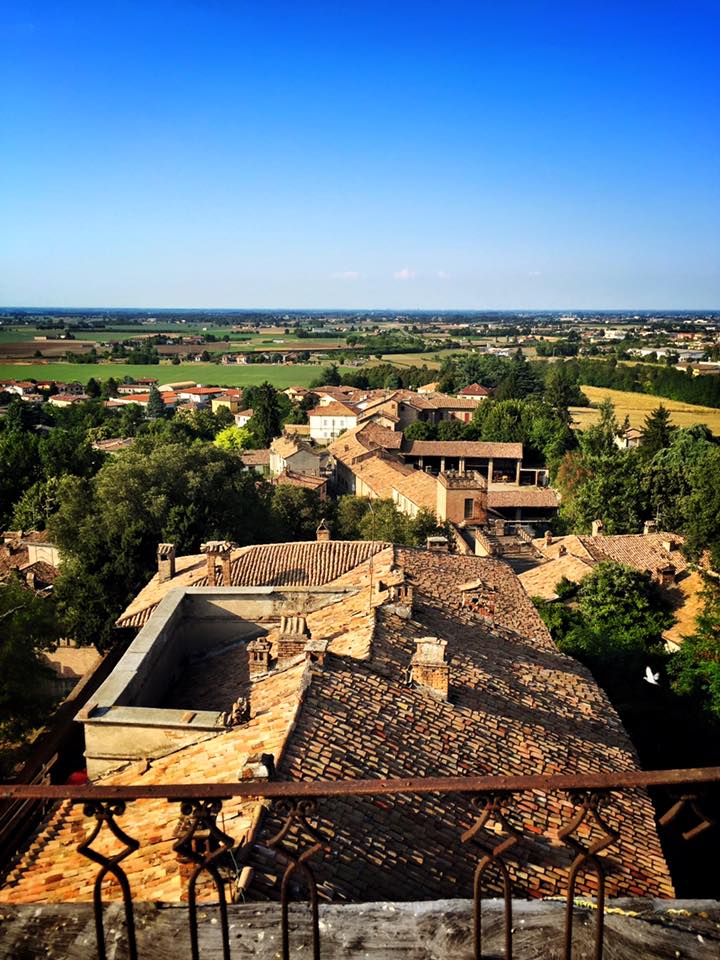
469, 504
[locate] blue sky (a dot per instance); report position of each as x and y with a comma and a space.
403, 155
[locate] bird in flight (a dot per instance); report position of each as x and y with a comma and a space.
651, 677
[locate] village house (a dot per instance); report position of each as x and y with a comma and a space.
343, 661
296, 455
329, 420
242, 417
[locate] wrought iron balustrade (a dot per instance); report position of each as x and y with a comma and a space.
202, 844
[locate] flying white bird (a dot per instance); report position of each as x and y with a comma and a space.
651, 677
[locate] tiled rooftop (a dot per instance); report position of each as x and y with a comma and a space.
516, 705
464, 448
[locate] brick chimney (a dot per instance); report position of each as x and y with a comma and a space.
400, 599
322, 534
222, 550
166, 561
649, 527
548, 538
669, 545
258, 656
597, 528
294, 635
665, 575
429, 669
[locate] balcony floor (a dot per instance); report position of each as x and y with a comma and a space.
422, 931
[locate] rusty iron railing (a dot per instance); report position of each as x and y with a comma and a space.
297, 804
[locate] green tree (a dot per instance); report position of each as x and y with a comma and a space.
296, 512
36, 505
108, 526
383, 521
520, 381
420, 430
156, 404
562, 391
27, 627
657, 431
349, 513
616, 615
266, 420
234, 438
92, 388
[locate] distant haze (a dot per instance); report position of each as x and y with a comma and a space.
526, 155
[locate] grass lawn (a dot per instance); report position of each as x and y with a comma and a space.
210, 374
638, 405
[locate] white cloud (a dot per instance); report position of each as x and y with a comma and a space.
405, 274
346, 275
443, 275
535, 273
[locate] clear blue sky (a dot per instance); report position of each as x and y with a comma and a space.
362, 154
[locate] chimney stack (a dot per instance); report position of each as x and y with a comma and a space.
258, 656
548, 538
669, 545
221, 549
294, 635
322, 534
429, 669
665, 576
165, 562
597, 528
649, 527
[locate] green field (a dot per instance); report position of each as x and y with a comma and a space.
210, 374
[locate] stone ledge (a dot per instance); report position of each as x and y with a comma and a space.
417, 931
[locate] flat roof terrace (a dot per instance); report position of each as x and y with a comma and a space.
184, 670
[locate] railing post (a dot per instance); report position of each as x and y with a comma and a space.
295, 813
490, 808
105, 812
589, 811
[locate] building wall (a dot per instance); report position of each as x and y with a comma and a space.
330, 428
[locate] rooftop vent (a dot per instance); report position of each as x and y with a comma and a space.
294, 635
429, 669
166, 561
315, 651
322, 534
597, 528
437, 544
479, 597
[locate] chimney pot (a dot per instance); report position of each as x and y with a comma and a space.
322, 534
649, 527
597, 528
429, 669
548, 538
293, 637
166, 561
